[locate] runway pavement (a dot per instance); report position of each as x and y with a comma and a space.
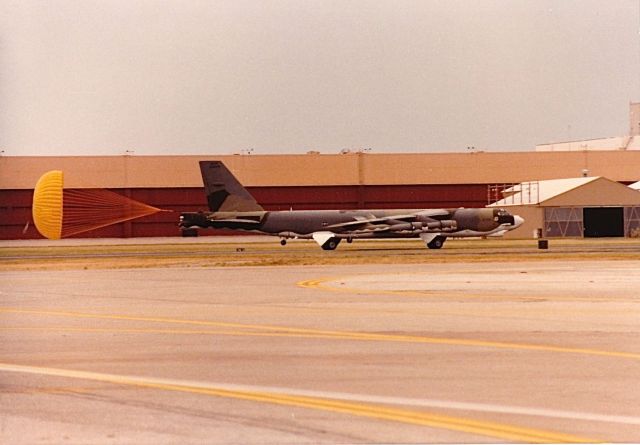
544, 351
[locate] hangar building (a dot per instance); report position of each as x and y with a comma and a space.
309, 181
357, 179
577, 207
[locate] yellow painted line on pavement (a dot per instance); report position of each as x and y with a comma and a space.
321, 284
51, 390
171, 331
490, 429
340, 335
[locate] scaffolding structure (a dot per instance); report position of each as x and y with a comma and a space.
524, 193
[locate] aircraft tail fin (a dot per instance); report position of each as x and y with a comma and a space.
224, 191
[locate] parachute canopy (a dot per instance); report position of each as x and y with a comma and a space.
59, 212
47, 204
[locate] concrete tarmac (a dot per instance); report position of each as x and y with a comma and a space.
544, 351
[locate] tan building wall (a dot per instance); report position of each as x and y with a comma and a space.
18, 172
533, 220
176, 171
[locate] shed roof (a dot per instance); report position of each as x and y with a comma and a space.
592, 191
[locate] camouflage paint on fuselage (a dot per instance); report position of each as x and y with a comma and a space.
232, 207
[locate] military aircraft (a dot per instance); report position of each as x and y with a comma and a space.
232, 207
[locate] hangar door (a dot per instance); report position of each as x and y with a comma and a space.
632, 222
563, 221
603, 222
590, 222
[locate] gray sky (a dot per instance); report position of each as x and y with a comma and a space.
288, 76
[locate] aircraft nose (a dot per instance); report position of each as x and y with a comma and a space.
517, 221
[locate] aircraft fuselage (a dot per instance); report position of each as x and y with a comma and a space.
232, 207
352, 224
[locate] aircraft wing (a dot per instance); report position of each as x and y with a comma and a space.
361, 222
236, 220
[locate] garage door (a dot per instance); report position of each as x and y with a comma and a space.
603, 222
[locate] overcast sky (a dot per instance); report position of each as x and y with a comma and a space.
289, 76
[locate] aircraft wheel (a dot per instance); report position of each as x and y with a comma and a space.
331, 244
437, 242
283, 242
349, 240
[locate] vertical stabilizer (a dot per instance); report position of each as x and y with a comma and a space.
224, 191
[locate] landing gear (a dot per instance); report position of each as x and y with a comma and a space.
349, 240
331, 244
283, 242
437, 242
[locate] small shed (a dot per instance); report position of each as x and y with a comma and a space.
574, 207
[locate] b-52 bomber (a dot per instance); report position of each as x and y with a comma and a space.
232, 207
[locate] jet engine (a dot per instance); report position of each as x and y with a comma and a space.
426, 225
446, 225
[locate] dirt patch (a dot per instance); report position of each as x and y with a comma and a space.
306, 253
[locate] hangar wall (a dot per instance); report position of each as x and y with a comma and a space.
21, 172
16, 220
591, 221
312, 181
573, 222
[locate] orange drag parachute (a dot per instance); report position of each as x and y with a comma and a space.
59, 213
47, 204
